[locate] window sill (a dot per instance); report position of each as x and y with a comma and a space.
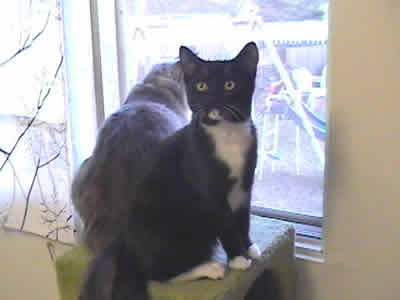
308, 243
310, 249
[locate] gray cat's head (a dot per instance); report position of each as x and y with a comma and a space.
220, 89
163, 84
172, 71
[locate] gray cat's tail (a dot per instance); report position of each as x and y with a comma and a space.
115, 274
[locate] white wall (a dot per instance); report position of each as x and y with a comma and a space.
362, 227
26, 271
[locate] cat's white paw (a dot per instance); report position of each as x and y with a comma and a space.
254, 252
212, 270
240, 263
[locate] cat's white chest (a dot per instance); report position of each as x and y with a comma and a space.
232, 143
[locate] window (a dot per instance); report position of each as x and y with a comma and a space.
120, 40
290, 99
34, 140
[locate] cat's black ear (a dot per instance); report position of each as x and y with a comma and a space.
248, 58
188, 60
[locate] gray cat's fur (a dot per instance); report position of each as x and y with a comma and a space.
154, 109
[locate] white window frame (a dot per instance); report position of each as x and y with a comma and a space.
80, 64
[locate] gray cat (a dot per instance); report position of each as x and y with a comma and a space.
154, 110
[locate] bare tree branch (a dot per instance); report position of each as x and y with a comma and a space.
56, 230
28, 197
48, 220
19, 139
27, 45
41, 101
17, 179
38, 167
55, 214
4, 152
51, 159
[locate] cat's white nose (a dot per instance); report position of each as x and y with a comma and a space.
214, 115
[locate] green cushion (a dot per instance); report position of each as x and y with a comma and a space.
275, 238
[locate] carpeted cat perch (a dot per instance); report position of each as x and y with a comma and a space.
273, 277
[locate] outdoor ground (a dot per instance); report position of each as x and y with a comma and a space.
283, 188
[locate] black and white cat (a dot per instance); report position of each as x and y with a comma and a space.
197, 192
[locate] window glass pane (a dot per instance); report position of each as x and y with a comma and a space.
34, 158
290, 99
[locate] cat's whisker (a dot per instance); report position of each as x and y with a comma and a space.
232, 112
234, 109
235, 112
242, 116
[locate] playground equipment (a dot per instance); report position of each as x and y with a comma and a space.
289, 100
281, 106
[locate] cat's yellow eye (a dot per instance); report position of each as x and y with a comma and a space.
229, 85
202, 86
